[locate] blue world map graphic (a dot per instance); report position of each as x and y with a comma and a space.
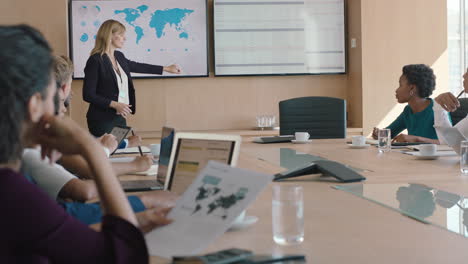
159, 19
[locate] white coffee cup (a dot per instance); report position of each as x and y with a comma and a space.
155, 149
358, 140
301, 136
427, 149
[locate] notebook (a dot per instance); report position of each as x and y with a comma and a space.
167, 137
192, 151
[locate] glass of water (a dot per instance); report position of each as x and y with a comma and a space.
288, 214
464, 157
385, 141
265, 121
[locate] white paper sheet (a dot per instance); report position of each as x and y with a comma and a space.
438, 153
206, 209
452, 136
439, 147
121, 159
153, 170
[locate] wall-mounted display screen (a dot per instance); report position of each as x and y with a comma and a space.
277, 37
160, 32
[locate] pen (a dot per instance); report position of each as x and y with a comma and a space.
139, 148
460, 93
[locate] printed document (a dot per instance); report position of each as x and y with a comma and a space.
206, 209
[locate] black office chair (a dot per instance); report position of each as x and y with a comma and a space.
461, 112
321, 117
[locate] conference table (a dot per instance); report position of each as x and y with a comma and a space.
341, 227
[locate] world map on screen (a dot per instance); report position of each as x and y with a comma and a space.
159, 20
158, 32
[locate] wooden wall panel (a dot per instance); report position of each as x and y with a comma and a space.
396, 33
389, 33
354, 90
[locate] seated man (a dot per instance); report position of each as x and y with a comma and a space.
415, 86
448, 102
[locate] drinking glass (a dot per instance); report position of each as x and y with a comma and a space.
464, 157
385, 142
265, 121
261, 121
288, 214
271, 120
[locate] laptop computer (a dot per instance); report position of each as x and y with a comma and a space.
167, 137
192, 151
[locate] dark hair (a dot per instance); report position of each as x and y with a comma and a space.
57, 102
26, 62
422, 76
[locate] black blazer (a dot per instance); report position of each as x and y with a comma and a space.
100, 84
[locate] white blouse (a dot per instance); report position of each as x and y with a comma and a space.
122, 83
441, 120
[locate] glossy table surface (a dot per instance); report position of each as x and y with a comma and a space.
341, 227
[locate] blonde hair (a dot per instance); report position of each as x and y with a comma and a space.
104, 35
63, 69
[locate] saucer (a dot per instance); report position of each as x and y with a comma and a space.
426, 157
300, 142
248, 221
358, 147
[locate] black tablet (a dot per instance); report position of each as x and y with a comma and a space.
120, 133
274, 139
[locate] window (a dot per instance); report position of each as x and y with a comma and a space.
457, 44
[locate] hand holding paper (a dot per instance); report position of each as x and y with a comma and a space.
206, 209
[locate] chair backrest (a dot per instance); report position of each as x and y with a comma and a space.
321, 117
461, 112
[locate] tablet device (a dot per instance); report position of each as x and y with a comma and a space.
274, 139
120, 133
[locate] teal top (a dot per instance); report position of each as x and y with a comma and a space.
418, 124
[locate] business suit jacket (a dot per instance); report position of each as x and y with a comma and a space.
100, 84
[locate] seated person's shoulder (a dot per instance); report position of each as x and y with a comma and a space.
30, 155
12, 183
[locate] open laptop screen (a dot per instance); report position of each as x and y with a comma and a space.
192, 155
167, 137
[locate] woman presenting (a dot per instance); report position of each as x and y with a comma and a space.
108, 86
